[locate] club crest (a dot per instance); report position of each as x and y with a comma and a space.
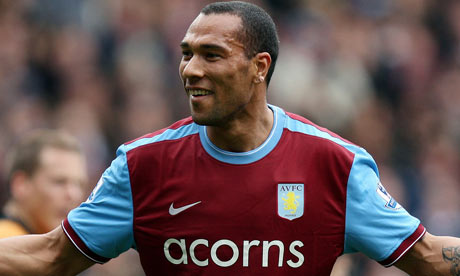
390, 201
290, 200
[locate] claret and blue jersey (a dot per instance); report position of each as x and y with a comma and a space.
292, 205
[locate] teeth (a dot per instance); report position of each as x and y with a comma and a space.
198, 92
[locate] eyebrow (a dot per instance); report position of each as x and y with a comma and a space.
209, 46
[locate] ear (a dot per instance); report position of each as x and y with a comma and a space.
19, 186
262, 62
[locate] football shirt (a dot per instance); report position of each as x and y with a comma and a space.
292, 205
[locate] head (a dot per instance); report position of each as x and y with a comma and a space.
229, 52
257, 33
46, 173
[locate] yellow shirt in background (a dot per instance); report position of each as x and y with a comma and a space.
10, 228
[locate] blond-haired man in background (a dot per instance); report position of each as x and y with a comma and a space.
46, 174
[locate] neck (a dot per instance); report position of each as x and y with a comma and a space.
244, 134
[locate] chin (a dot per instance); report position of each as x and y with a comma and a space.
204, 121
200, 121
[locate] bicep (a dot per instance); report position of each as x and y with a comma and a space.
376, 224
70, 260
432, 255
108, 210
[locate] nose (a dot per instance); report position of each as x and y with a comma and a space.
191, 69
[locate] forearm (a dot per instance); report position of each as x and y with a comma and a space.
48, 254
22, 256
433, 255
451, 255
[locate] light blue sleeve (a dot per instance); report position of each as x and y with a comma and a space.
376, 224
105, 221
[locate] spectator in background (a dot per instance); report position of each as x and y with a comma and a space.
47, 176
46, 172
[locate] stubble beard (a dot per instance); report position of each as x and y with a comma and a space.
216, 118
212, 119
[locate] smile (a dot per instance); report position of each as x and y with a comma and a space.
198, 92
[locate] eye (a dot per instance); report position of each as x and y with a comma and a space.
186, 55
212, 56
58, 181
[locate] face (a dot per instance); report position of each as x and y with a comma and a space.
216, 73
55, 188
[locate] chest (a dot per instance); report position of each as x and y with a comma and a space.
193, 212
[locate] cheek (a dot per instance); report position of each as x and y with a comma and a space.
231, 76
51, 196
43, 204
50, 191
240, 80
243, 74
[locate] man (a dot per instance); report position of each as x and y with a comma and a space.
46, 173
47, 177
241, 187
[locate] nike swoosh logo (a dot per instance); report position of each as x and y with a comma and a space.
174, 211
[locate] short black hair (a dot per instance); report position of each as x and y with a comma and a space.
258, 32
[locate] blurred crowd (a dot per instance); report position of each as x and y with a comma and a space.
384, 74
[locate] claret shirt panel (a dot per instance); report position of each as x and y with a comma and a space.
288, 206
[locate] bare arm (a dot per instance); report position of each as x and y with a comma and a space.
432, 255
47, 254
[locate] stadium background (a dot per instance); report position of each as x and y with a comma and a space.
383, 74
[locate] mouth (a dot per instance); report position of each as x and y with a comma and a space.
198, 92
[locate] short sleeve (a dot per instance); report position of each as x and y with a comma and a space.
102, 227
376, 224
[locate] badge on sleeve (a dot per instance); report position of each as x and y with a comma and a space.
390, 201
290, 200
93, 193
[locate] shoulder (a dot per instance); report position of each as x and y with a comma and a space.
319, 137
176, 131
